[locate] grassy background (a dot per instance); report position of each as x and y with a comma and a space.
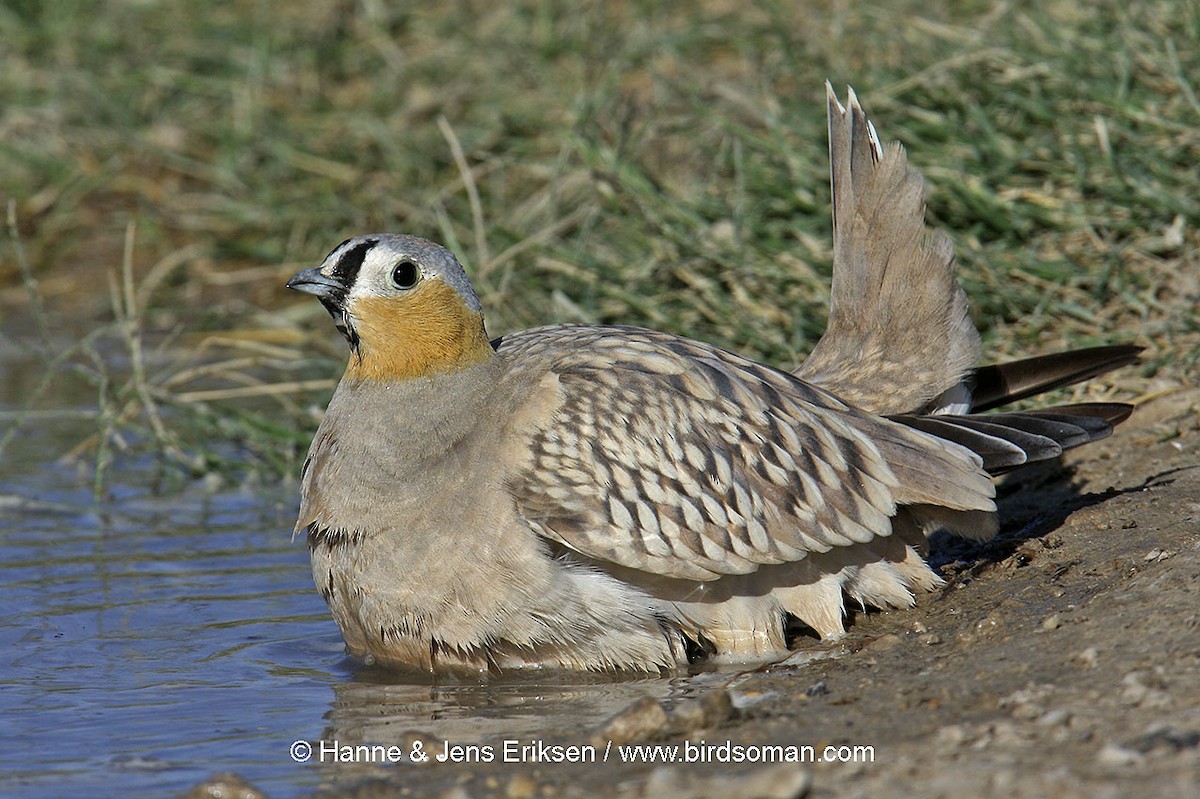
168, 165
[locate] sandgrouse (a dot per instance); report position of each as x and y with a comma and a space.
604, 497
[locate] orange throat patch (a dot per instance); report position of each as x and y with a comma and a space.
429, 331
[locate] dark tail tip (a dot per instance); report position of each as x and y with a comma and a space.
1002, 383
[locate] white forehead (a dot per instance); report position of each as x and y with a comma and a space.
365, 263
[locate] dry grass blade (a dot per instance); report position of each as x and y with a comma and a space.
36, 308
468, 179
260, 390
125, 307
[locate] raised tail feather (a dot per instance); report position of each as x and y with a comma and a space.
899, 341
899, 335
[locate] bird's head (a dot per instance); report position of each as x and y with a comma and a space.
404, 304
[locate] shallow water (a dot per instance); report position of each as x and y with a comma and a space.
151, 640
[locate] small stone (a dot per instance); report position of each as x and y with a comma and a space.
1027, 703
1167, 738
918, 627
1055, 718
884, 642
988, 625
1145, 689
642, 721
950, 736
1088, 657
817, 689
520, 787
743, 698
1051, 622
803, 657
1005, 732
1002, 781
225, 786
1113, 755
929, 639
709, 711
985, 627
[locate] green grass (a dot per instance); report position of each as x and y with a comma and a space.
609, 162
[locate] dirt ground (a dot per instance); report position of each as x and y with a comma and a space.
1061, 659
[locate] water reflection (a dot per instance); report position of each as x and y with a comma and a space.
514, 706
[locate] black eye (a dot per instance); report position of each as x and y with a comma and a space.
405, 275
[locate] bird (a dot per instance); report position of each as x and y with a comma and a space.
611, 498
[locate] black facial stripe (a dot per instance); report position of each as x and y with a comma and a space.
335, 249
346, 269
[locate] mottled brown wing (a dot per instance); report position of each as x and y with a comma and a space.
676, 458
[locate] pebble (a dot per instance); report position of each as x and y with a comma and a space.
817, 689
805, 656
709, 711
1088, 657
950, 736
1165, 737
884, 642
1058, 717
644, 720
1051, 622
1001, 782
985, 627
225, 786
1114, 755
1026, 704
749, 696
520, 787
1144, 689
988, 624
1006, 733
